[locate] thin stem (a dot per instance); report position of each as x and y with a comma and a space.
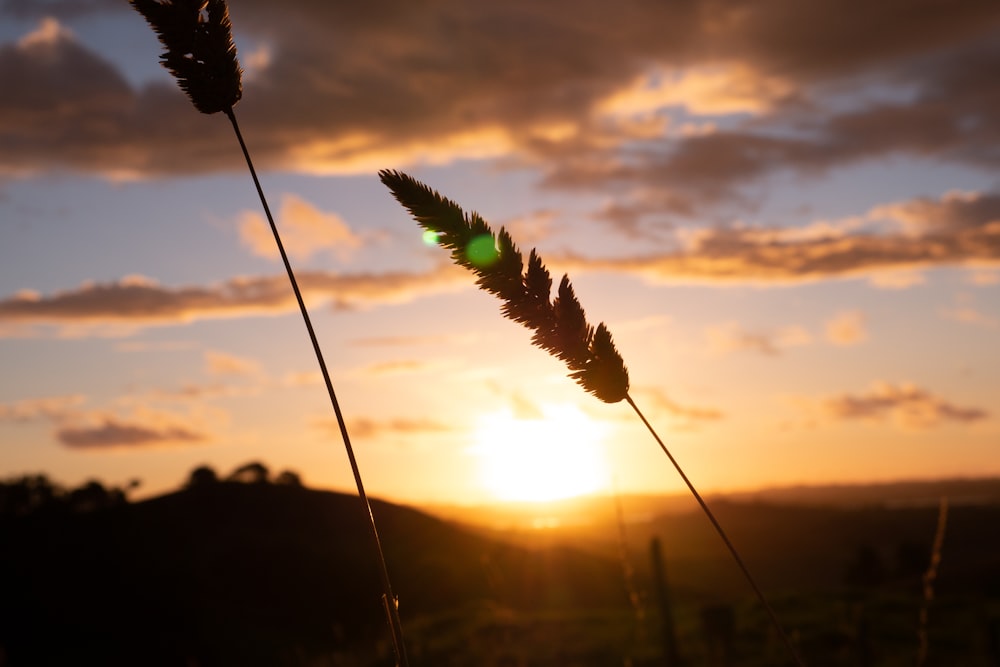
389, 600
722, 534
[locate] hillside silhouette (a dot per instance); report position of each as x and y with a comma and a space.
258, 570
254, 574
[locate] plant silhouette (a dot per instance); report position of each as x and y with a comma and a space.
200, 53
560, 325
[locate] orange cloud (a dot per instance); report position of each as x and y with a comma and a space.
729, 338
305, 231
220, 363
396, 367
53, 407
953, 233
847, 328
713, 89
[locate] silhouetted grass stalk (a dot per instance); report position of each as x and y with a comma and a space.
200, 53
560, 326
928, 580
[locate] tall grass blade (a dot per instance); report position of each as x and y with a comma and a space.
930, 576
201, 54
560, 325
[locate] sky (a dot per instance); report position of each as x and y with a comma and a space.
787, 214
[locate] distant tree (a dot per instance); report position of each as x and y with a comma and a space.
202, 476
288, 478
27, 494
254, 472
94, 496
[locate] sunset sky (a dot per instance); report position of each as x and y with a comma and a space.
787, 213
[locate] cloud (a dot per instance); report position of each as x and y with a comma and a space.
305, 231
133, 303
112, 432
532, 228
955, 211
910, 406
78, 428
302, 379
408, 340
947, 232
368, 428
396, 367
847, 328
716, 89
49, 408
221, 363
683, 417
728, 338
984, 277
346, 88
966, 311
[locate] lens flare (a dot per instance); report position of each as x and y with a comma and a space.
482, 250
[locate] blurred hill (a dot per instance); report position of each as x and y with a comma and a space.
254, 574
638, 508
254, 571
796, 540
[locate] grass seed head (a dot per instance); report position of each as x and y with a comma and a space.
200, 52
560, 325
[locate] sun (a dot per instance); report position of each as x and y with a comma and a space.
557, 455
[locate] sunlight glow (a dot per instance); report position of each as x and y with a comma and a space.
555, 455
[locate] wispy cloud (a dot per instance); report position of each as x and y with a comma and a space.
51, 407
730, 337
908, 405
371, 428
682, 417
847, 328
967, 311
222, 363
952, 231
396, 367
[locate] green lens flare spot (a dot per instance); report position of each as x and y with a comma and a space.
431, 237
482, 250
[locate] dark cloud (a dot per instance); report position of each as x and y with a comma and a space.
348, 86
112, 432
136, 302
909, 405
